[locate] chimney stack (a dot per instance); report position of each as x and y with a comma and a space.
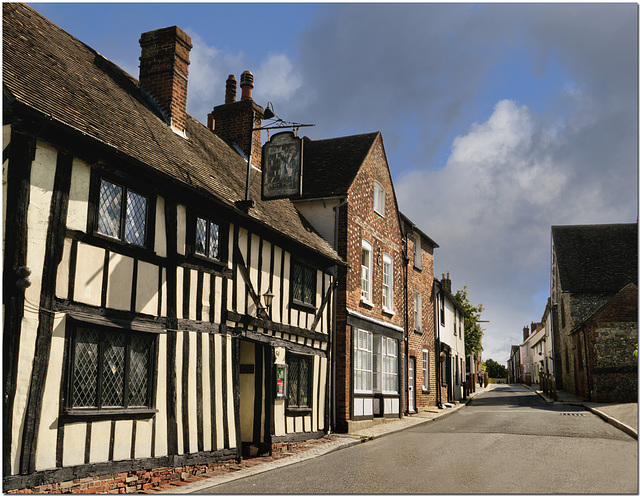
164, 69
446, 282
235, 121
525, 333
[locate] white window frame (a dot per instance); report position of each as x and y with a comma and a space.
455, 322
387, 283
425, 369
417, 252
417, 311
378, 198
366, 272
363, 361
389, 361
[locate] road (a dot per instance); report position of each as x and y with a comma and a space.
506, 440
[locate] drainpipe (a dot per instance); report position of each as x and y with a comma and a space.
336, 230
586, 361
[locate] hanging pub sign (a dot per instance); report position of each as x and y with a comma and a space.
281, 381
282, 166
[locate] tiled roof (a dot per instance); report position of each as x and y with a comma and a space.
331, 165
48, 70
597, 258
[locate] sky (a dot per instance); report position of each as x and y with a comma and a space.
498, 120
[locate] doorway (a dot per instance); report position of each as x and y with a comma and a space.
412, 384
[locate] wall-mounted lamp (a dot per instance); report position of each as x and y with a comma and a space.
268, 300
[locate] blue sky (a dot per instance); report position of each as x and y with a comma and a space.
498, 120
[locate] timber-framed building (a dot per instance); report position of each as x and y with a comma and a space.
136, 332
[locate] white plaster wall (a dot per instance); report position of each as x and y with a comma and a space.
193, 293
179, 372
182, 229
100, 441
285, 289
144, 430
206, 391
217, 316
321, 215
217, 340
119, 282
88, 282
122, 440
79, 196
48, 431
160, 244
230, 403
161, 398
147, 289
62, 278
74, 442
193, 398
276, 315
180, 292
42, 178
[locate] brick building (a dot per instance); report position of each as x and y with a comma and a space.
591, 264
348, 196
421, 343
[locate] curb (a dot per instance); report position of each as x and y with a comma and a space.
606, 417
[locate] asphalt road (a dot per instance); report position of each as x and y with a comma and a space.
505, 441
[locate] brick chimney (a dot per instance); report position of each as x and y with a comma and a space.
446, 282
164, 68
525, 333
235, 120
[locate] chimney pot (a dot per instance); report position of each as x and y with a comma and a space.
230, 93
246, 83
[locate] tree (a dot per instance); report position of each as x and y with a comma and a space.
472, 330
495, 369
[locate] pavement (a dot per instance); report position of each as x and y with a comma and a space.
624, 416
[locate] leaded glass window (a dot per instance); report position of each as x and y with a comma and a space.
207, 238
122, 214
300, 372
110, 369
304, 284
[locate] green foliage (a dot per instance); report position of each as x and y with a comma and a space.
494, 369
472, 330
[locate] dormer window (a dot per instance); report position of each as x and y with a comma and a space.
122, 213
378, 198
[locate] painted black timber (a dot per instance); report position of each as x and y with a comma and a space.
73, 260
53, 255
238, 259
15, 255
257, 399
275, 326
105, 279
171, 220
235, 365
199, 289
186, 293
325, 300
134, 285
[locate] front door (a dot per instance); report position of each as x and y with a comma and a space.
412, 384
254, 398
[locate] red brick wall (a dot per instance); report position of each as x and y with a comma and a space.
422, 280
359, 221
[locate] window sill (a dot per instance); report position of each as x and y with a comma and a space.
366, 303
298, 410
386, 311
109, 412
306, 307
418, 331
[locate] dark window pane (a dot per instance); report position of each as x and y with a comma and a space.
303, 399
139, 368
109, 209
134, 228
293, 381
201, 237
113, 369
214, 240
308, 286
297, 283
85, 377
